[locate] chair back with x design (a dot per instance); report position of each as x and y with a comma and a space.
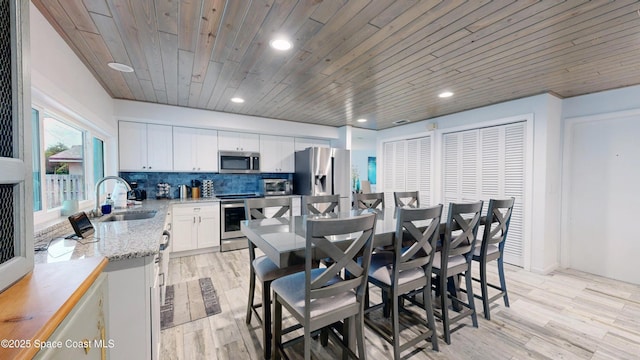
260, 209
319, 232
407, 199
461, 229
320, 205
368, 201
420, 252
497, 222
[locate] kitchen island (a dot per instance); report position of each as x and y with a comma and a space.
133, 250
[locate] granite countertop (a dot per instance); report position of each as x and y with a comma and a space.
115, 240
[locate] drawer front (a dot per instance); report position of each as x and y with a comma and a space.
194, 209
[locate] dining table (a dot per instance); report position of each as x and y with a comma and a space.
283, 239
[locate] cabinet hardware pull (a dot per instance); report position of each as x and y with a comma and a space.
199, 219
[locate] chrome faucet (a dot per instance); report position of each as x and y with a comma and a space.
96, 210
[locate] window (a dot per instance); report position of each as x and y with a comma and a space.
98, 159
67, 159
35, 136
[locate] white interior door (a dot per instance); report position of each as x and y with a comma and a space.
602, 191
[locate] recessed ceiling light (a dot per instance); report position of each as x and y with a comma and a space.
281, 44
445, 94
237, 100
120, 67
361, 120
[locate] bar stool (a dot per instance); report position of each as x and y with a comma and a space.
320, 297
491, 249
454, 260
264, 269
407, 271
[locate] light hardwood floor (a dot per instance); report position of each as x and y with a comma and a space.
565, 315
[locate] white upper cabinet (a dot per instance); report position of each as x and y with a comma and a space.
145, 147
235, 141
195, 149
277, 154
303, 143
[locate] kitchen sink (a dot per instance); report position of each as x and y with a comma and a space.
133, 215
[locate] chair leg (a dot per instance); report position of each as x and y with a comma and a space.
324, 337
470, 298
307, 343
386, 309
362, 354
266, 318
277, 327
503, 282
484, 289
444, 308
395, 325
428, 307
252, 289
346, 334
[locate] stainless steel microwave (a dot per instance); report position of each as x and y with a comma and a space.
239, 162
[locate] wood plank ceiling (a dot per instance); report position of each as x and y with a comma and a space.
383, 60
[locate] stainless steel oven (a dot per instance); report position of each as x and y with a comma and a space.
231, 214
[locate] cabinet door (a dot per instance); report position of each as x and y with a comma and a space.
85, 322
208, 226
132, 141
276, 154
206, 150
269, 153
184, 149
234, 141
287, 155
159, 148
184, 236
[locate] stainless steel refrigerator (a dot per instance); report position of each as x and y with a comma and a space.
324, 171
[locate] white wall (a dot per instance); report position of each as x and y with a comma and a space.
363, 145
62, 83
542, 234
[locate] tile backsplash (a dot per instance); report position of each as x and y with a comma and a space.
222, 183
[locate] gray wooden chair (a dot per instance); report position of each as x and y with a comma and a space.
320, 205
319, 297
406, 199
368, 201
264, 269
491, 249
407, 271
454, 260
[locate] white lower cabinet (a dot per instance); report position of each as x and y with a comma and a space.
195, 226
83, 333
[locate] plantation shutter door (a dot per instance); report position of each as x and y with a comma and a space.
413, 166
514, 182
389, 160
486, 163
451, 147
424, 171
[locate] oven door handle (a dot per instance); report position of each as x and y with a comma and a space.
235, 205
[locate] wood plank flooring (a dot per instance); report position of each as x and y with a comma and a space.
565, 315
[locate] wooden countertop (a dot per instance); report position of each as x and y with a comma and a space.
34, 306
